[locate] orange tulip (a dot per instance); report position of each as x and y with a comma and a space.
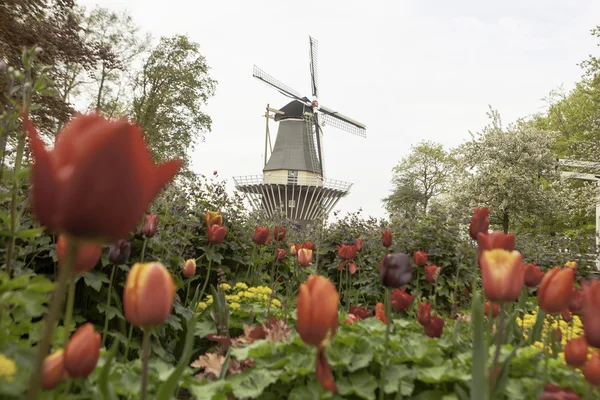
591, 369
308, 245
216, 234
98, 180
189, 268
347, 252
150, 225
401, 300
420, 258
54, 370
213, 218
293, 249
386, 238
496, 240
533, 275
148, 294
380, 313
279, 233
261, 236
305, 257
88, 255
502, 274
495, 309
359, 245
576, 352
554, 293
591, 311
480, 223
82, 351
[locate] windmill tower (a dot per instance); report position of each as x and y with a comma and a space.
293, 182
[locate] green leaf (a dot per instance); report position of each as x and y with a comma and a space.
30, 233
536, 331
399, 376
95, 280
112, 311
252, 382
216, 390
40, 284
479, 367
361, 383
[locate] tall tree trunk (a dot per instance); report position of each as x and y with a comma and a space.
505, 221
102, 77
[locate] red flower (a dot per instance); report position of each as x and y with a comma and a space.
554, 293
435, 327
386, 238
496, 240
395, 270
401, 300
98, 180
591, 369
576, 352
502, 274
82, 351
480, 223
350, 319
576, 303
150, 224
308, 245
359, 245
280, 254
566, 315
495, 309
380, 313
553, 392
533, 275
347, 252
294, 249
279, 233
591, 312
431, 273
88, 255
420, 258
424, 313
360, 312
261, 236
305, 257
216, 234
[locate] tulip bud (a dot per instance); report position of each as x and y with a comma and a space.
576, 352
54, 371
360, 311
150, 224
424, 313
591, 312
279, 233
189, 268
347, 252
401, 300
554, 293
533, 275
148, 294
88, 255
480, 223
435, 328
308, 245
352, 268
495, 309
386, 238
502, 274
420, 258
216, 234
261, 236
280, 254
82, 351
293, 249
591, 369
395, 270
432, 273
317, 311
119, 252
213, 218
359, 245
380, 313
305, 257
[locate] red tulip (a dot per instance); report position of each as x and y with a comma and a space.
420, 258
386, 238
189, 268
576, 352
591, 369
280, 254
150, 225
554, 293
431, 273
480, 223
360, 312
502, 274
82, 351
424, 313
279, 233
401, 300
359, 245
305, 257
496, 240
591, 312
576, 303
380, 313
553, 392
216, 234
97, 181
308, 245
54, 371
435, 327
88, 255
495, 309
566, 315
347, 252
395, 270
533, 275
261, 236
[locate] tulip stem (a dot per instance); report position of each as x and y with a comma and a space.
53, 313
69, 311
143, 249
106, 311
418, 290
387, 343
187, 293
145, 357
499, 338
211, 249
128, 342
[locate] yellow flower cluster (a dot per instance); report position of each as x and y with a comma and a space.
569, 330
243, 294
8, 368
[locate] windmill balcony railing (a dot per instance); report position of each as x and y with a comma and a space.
331, 184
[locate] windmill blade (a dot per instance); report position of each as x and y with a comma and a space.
284, 89
342, 122
314, 48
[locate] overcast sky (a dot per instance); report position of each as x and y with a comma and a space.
409, 70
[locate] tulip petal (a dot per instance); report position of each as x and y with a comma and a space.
303, 311
161, 176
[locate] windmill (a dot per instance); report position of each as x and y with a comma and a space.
293, 180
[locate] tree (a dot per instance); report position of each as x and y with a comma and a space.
419, 178
169, 93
